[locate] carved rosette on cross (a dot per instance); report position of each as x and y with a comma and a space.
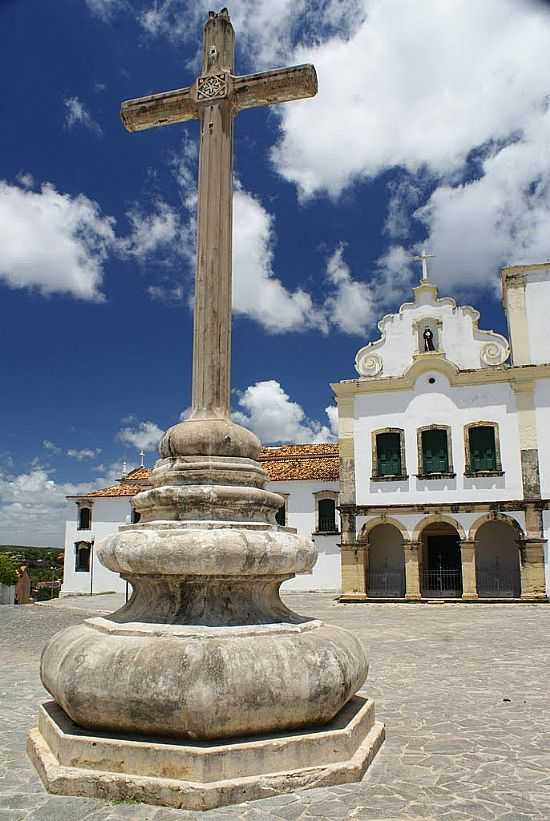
205, 648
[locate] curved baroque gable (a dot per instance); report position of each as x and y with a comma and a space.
454, 332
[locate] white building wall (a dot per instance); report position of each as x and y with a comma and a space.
428, 404
301, 514
107, 515
537, 302
110, 512
542, 404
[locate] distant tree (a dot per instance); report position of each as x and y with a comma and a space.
8, 570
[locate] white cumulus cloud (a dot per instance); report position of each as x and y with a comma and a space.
141, 435
153, 231
53, 242
267, 410
415, 85
105, 9
257, 292
502, 217
33, 507
83, 453
78, 114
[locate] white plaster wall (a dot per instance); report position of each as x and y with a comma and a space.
537, 302
437, 404
326, 573
542, 404
107, 515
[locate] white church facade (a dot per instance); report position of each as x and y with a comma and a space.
439, 486
445, 451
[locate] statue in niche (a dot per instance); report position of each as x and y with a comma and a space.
428, 340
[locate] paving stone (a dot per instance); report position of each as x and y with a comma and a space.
454, 751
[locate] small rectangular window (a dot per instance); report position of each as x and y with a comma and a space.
388, 454
435, 454
82, 557
327, 515
84, 518
483, 453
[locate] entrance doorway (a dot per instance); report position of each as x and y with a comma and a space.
442, 563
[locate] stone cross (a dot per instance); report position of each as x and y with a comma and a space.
424, 257
214, 99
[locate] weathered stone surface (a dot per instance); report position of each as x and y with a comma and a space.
205, 648
207, 683
202, 776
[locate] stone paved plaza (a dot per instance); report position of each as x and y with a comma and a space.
463, 690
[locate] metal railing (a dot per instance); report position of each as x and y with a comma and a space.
441, 584
390, 585
327, 524
498, 585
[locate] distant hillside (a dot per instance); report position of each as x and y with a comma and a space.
23, 553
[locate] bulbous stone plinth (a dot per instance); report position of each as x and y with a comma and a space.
205, 648
204, 682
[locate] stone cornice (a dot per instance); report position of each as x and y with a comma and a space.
513, 375
447, 507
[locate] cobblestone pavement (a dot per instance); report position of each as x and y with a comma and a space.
463, 689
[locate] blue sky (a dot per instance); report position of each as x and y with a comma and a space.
431, 125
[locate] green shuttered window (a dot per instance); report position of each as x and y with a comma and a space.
483, 452
435, 454
388, 454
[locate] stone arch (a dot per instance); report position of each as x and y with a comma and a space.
385, 565
440, 556
437, 518
383, 520
495, 517
497, 540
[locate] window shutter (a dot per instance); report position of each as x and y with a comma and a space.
435, 455
388, 453
483, 454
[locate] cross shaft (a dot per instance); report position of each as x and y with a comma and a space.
214, 99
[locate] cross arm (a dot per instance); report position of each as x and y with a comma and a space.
159, 109
270, 87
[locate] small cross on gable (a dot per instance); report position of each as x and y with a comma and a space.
423, 258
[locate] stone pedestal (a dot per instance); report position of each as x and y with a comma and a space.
204, 650
200, 775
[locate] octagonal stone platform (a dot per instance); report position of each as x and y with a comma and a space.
202, 775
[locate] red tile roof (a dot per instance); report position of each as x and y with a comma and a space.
283, 464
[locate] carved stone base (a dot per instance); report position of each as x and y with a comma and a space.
199, 775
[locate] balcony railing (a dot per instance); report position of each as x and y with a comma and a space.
442, 584
387, 585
